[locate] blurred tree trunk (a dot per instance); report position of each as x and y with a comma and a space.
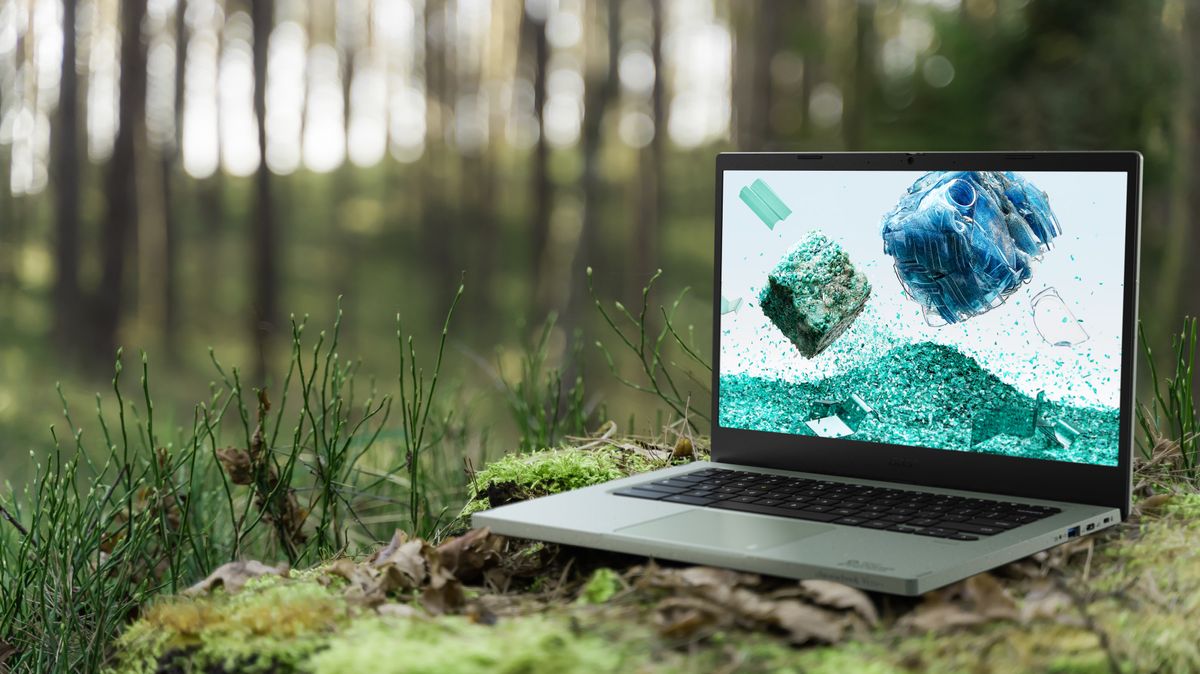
1192, 92
756, 34
1174, 273
857, 93
120, 186
345, 262
542, 192
67, 302
436, 213
171, 156
811, 50
600, 89
651, 166
264, 272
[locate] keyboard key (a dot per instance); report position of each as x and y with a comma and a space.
773, 510
970, 528
852, 521
878, 524
673, 482
963, 537
690, 500
999, 524
938, 532
638, 492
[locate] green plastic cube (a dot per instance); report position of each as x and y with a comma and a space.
814, 293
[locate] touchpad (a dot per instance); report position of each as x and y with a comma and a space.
725, 530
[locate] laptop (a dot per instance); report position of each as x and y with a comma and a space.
923, 368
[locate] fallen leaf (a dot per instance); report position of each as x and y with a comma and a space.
469, 555
403, 562
805, 623
236, 463
365, 583
688, 617
397, 610
1045, 601
836, 595
7, 650
1152, 503
978, 599
989, 597
234, 575
683, 449
940, 617
705, 599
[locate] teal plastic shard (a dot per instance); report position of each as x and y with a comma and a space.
730, 306
1024, 421
814, 293
1054, 321
1015, 421
765, 203
838, 418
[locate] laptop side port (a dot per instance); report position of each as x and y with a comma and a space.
1073, 532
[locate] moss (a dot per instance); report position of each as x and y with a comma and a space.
454, 645
517, 477
270, 625
601, 587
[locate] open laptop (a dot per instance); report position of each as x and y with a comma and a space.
923, 368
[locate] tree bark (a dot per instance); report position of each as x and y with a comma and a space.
170, 172
652, 164
67, 301
264, 259
599, 91
121, 220
542, 191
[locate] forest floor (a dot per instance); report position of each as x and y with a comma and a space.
1124, 600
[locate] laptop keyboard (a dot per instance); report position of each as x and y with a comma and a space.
907, 511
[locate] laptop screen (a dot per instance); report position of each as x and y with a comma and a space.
965, 311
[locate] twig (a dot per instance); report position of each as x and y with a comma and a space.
13, 521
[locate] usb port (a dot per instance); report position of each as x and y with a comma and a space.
1073, 532
1090, 526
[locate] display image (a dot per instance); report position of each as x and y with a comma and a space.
976, 311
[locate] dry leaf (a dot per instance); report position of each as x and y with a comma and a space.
397, 610
940, 617
1045, 601
805, 623
989, 597
836, 595
7, 650
469, 555
366, 584
978, 599
706, 598
234, 575
236, 463
689, 617
1152, 503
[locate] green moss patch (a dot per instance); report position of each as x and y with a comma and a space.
518, 477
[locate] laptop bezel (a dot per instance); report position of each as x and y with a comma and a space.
1033, 478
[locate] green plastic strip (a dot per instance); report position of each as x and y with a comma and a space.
765, 203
